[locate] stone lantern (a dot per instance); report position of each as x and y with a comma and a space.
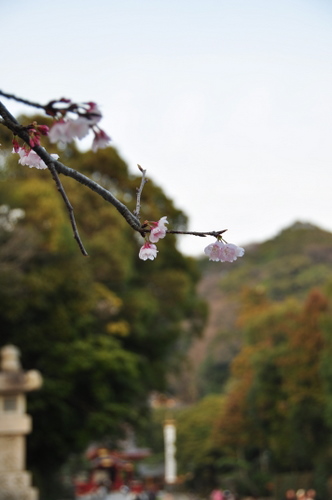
15, 481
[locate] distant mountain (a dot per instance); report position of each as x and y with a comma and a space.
296, 260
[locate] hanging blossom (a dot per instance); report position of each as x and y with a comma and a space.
30, 158
158, 231
148, 251
101, 140
223, 252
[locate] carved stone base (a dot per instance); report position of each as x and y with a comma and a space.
17, 486
12, 453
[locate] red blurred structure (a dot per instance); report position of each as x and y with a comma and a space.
111, 470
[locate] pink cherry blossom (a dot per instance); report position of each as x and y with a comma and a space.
223, 252
31, 159
230, 252
213, 250
148, 251
78, 128
59, 132
159, 230
66, 130
101, 140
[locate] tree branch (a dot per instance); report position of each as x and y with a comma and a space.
19, 99
139, 192
69, 207
56, 167
11, 123
198, 233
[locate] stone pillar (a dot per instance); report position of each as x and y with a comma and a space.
15, 481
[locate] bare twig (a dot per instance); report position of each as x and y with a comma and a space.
202, 234
49, 108
19, 99
199, 233
139, 192
69, 207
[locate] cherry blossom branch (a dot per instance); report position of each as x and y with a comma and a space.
94, 186
57, 167
58, 107
64, 130
50, 163
146, 230
131, 218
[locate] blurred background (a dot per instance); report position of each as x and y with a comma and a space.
228, 107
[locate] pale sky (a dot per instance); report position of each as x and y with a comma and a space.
227, 104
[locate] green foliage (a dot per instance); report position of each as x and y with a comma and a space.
195, 434
214, 372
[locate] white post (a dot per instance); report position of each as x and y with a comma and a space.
170, 449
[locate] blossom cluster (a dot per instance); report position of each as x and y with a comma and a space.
35, 131
66, 129
63, 131
223, 252
30, 158
158, 231
217, 251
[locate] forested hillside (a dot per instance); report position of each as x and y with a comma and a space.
296, 260
263, 368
